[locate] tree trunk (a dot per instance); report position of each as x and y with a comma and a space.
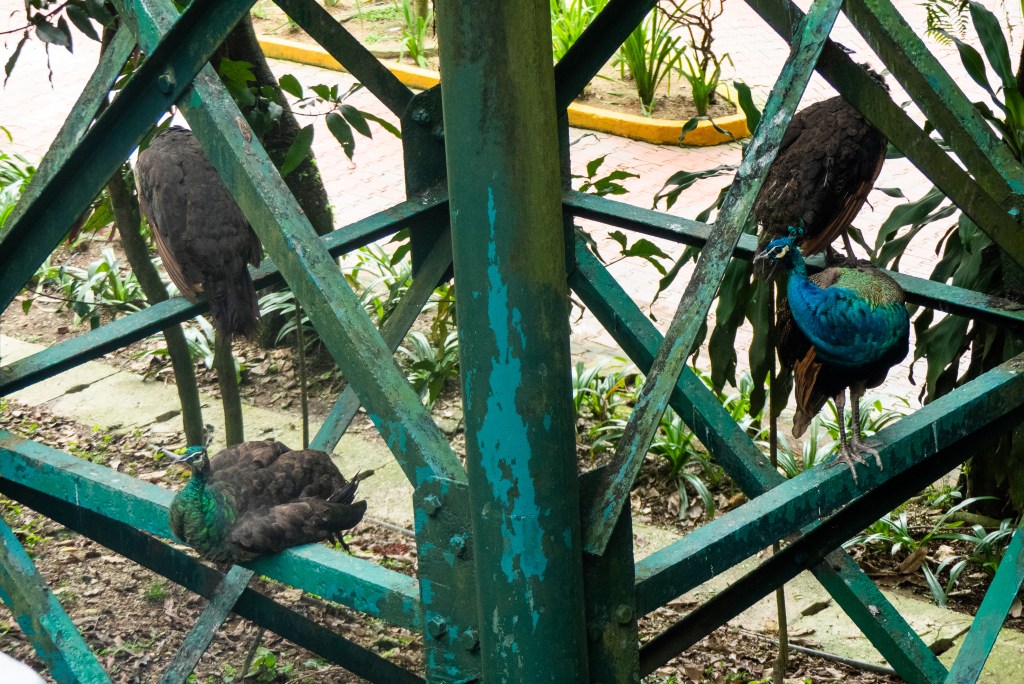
305, 181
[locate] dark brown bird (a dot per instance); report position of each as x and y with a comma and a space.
201, 234
827, 164
258, 498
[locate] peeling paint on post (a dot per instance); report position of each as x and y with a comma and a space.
500, 132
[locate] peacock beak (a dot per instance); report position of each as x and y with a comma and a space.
175, 458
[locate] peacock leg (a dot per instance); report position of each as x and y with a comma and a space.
856, 392
848, 244
846, 453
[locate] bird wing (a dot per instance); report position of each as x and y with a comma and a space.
270, 530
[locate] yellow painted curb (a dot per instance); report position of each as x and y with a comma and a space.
659, 131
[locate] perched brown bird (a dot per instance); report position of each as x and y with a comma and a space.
201, 234
258, 498
827, 164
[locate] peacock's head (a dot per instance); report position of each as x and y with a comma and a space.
195, 457
780, 252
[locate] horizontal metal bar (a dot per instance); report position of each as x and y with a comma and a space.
818, 542
991, 615
343, 46
940, 296
727, 540
194, 575
123, 331
746, 465
335, 576
152, 89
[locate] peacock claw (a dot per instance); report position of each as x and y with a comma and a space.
851, 454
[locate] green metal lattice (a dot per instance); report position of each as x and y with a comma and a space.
511, 528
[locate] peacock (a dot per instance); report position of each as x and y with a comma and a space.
827, 163
842, 328
258, 498
201, 234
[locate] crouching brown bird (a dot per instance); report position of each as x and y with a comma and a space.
842, 328
827, 163
259, 498
201, 234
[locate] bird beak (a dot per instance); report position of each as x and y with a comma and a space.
760, 256
175, 458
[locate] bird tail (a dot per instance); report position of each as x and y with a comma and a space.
233, 305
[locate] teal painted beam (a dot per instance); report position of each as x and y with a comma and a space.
874, 102
42, 619
394, 330
206, 627
940, 296
420, 447
512, 311
783, 510
414, 214
67, 192
991, 615
335, 576
941, 99
344, 47
191, 573
749, 468
693, 307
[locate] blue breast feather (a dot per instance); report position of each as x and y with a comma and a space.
845, 328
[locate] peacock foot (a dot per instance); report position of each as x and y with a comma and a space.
852, 453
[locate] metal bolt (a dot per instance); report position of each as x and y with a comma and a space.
165, 82
623, 614
458, 545
469, 640
431, 504
420, 115
436, 627
437, 132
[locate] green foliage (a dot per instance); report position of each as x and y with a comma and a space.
895, 533
51, 20
382, 279
569, 18
27, 526
99, 289
650, 53
156, 592
15, 173
429, 367
414, 32
265, 667
608, 184
703, 79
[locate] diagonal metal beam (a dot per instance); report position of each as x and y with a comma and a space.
420, 447
342, 46
991, 614
940, 98
747, 466
156, 84
595, 47
874, 102
42, 619
700, 291
210, 620
394, 330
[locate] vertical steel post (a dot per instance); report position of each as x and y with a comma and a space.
509, 254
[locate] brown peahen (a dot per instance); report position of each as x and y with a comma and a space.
842, 328
201, 234
258, 498
827, 164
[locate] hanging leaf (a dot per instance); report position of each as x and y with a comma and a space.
50, 34
994, 43
973, 63
342, 132
299, 150
356, 120
79, 16
291, 85
386, 125
593, 165
9, 67
746, 101
892, 192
